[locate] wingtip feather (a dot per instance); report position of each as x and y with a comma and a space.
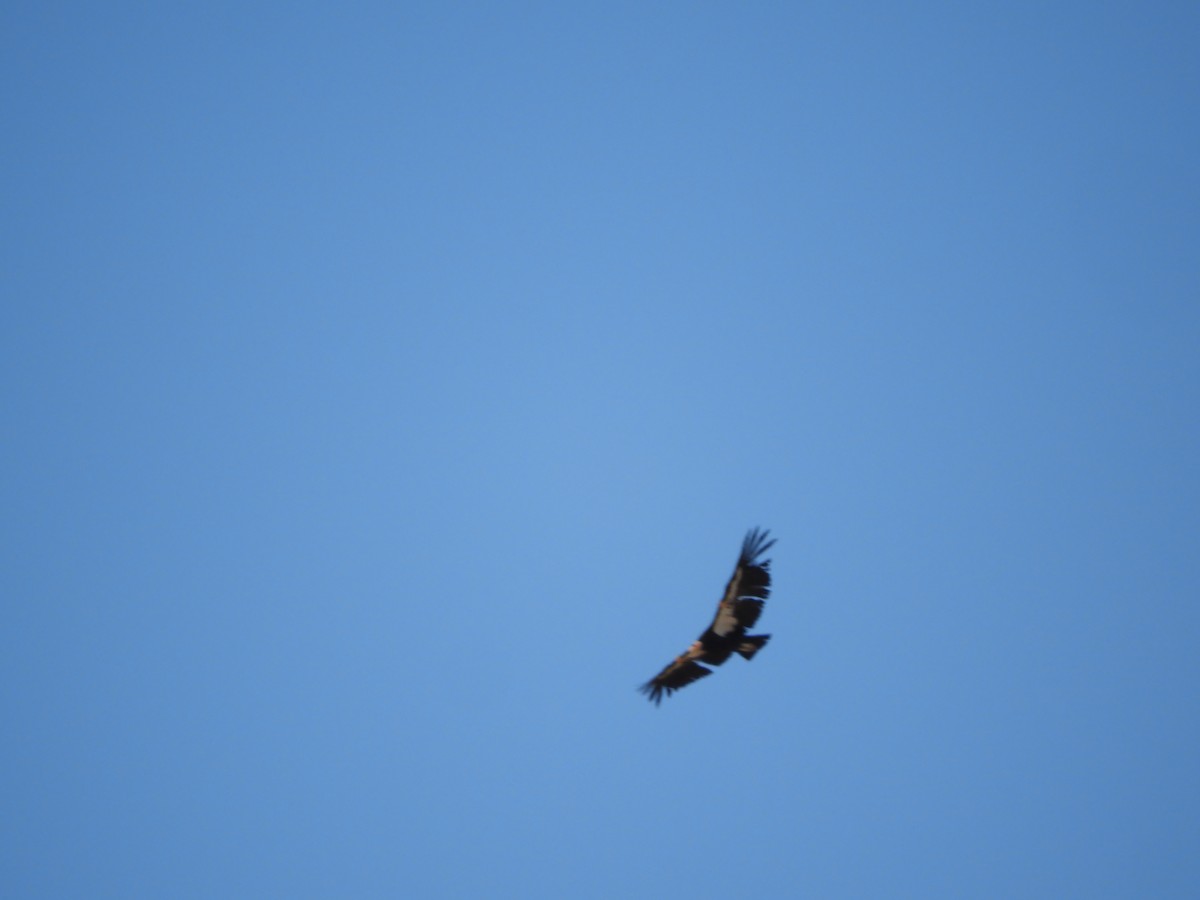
755, 545
653, 692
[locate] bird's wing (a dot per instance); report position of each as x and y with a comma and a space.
680, 672
748, 588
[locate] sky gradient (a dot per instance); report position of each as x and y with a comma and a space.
387, 389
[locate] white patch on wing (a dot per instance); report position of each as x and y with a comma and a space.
726, 620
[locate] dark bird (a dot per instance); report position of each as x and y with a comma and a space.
738, 610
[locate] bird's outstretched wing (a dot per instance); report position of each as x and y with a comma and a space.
748, 587
680, 672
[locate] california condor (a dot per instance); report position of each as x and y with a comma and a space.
738, 610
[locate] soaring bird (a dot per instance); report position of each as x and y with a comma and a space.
738, 610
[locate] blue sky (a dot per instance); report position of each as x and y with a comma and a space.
387, 388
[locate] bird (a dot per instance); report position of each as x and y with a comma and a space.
739, 609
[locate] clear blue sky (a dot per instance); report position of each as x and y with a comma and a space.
387, 388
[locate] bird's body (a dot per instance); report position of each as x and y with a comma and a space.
738, 610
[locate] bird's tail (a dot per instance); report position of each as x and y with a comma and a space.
751, 644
